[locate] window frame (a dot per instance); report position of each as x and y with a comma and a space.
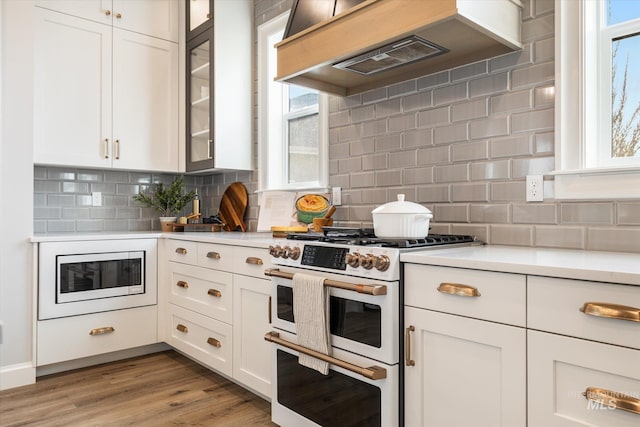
273, 157
575, 178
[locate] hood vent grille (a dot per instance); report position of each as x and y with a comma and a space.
392, 55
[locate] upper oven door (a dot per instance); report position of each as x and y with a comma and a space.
360, 323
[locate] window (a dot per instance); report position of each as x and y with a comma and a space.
292, 123
597, 99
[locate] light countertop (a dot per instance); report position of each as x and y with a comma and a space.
614, 267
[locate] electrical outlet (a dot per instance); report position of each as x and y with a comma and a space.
96, 198
336, 196
535, 188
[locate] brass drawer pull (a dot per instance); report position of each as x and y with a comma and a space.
214, 255
181, 251
254, 260
612, 311
613, 399
214, 342
182, 284
407, 346
182, 328
370, 372
458, 289
214, 293
102, 331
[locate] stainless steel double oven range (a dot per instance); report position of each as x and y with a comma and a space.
362, 273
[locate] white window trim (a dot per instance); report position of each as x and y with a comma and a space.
264, 128
572, 180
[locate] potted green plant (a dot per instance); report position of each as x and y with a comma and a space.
168, 201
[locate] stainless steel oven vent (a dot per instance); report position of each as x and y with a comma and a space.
392, 55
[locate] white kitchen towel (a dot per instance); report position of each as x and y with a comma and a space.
311, 313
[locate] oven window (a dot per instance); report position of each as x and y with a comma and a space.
329, 400
94, 275
350, 319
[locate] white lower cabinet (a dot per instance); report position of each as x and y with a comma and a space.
218, 302
207, 340
68, 338
562, 369
467, 372
251, 321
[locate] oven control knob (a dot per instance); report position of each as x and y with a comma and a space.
285, 252
367, 261
353, 259
294, 253
275, 251
382, 263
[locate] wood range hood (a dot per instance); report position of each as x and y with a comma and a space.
393, 32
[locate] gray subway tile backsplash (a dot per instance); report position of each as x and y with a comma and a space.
459, 141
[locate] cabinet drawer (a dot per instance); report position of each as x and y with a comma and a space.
554, 306
215, 256
251, 261
562, 368
182, 251
502, 296
208, 292
206, 340
71, 338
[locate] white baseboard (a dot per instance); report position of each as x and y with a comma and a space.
17, 375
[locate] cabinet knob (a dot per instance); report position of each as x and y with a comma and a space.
107, 12
118, 15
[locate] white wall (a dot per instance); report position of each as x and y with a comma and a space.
16, 192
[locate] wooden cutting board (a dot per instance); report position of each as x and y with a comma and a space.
233, 206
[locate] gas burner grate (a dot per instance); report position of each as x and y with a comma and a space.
365, 237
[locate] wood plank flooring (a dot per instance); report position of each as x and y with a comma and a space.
160, 389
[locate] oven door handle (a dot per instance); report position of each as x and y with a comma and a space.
361, 289
371, 372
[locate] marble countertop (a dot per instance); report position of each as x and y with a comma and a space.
614, 267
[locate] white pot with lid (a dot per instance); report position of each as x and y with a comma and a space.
401, 220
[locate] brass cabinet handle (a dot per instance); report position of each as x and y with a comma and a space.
613, 399
182, 328
214, 255
612, 311
458, 289
371, 372
214, 293
214, 342
106, 148
253, 260
181, 251
407, 346
107, 12
182, 284
209, 143
117, 149
102, 331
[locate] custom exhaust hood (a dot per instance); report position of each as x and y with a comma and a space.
346, 47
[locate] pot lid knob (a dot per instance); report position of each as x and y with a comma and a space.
401, 197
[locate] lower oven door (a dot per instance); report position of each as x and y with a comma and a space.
304, 397
359, 323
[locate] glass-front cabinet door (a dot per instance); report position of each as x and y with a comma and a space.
199, 102
199, 16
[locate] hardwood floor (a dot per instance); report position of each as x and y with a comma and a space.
161, 389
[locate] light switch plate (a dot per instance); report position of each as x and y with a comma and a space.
96, 198
336, 196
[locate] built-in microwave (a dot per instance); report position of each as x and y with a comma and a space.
81, 277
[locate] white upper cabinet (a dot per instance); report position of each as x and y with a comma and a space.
103, 96
157, 18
